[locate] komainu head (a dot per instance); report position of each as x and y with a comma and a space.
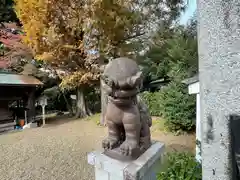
122, 78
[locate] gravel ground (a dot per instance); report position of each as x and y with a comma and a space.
59, 152
49, 153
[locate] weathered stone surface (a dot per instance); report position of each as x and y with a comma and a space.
219, 70
126, 115
143, 168
116, 154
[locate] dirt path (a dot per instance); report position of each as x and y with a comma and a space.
59, 152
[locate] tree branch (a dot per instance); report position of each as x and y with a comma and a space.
134, 36
130, 37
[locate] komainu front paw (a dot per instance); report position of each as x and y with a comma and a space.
109, 143
127, 147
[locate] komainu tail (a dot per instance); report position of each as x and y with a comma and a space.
144, 113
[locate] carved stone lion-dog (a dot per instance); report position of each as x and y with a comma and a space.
126, 115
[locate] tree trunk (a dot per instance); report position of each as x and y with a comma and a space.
219, 70
69, 107
81, 104
31, 106
89, 112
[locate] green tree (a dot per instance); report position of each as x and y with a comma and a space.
173, 54
7, 13
182, 55
123, 24
124, 29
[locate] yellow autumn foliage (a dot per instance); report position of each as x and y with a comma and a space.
32, 14
115, 22
58, 31
54, 30
61, 32
70, 81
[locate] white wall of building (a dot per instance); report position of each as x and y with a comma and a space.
194, 89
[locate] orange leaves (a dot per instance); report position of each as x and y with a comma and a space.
13, 49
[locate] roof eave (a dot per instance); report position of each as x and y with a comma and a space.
23, 85
191, 80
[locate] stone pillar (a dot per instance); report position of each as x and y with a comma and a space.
31, 106
198, 130
103, 97
219, 69
103, 104
145, 167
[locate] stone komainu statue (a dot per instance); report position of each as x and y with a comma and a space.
126, 115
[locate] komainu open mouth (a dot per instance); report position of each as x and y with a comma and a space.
123, 100
124, 94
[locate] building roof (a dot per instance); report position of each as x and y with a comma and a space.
158, 81
18, 80
191, 80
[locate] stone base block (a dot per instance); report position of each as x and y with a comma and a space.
144, 168
116, 154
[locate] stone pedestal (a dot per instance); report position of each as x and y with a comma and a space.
144, 168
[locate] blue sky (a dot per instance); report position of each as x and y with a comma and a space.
192, 6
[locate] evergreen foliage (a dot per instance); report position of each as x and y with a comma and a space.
180, 166
172, 55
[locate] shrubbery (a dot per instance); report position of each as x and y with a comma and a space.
174, 104
180, 166
179, 108
153, 102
